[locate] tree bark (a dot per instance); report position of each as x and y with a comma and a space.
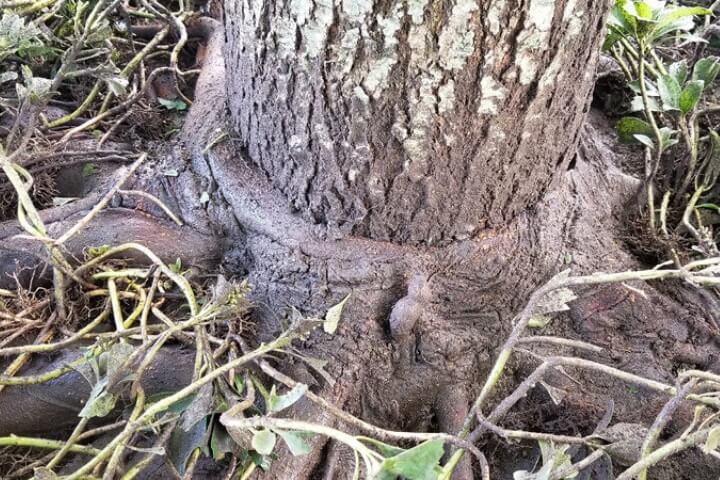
418, 122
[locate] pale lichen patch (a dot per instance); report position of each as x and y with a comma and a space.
359, 110
399, 131
416, 10
569, 11
295, 142
377, 77
356, 10
446, 93
493, 18
492, 94
540, 14
376, 188
422, 117
345, 55
551, 73
573, 17
389, 27
300, 10
321, 134
361, 96
575, 25
315, 33
284, 30
379, 70
253, 10
534, 38
352, 175
417, 41
528, 66
457, 40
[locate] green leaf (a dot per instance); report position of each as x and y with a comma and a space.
649, 88
612, 37
539, 321
385, 449
637, 105
628, 127
221, 443
679, 71
16, 35
33, 88
710, 206
645, 140
261, 461
671, 15
332, 318
261, 388
666, 135
177, 407
669, 89
277, 403
673, 19
239, 384
116, 357
99, 404
176, 104
117, 85
418, 463
182, 443
681, 24
690, 95
643, 10
706, 69
554, 458
318, 364
621, 19
542, 474
296, 441
44, 473
263, 442
688, 38
199, 408
710, 169
89, 169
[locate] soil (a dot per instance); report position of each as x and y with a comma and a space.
420, 373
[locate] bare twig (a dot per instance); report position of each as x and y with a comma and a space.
661, 420
664, 452
83, 222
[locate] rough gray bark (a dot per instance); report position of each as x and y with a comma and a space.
415, 121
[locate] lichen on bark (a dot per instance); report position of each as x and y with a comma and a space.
374, 117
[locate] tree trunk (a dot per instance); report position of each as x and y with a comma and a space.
431, 125
417, 122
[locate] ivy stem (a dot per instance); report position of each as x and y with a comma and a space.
14, 441
652, 165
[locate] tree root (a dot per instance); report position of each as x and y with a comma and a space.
24, 410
